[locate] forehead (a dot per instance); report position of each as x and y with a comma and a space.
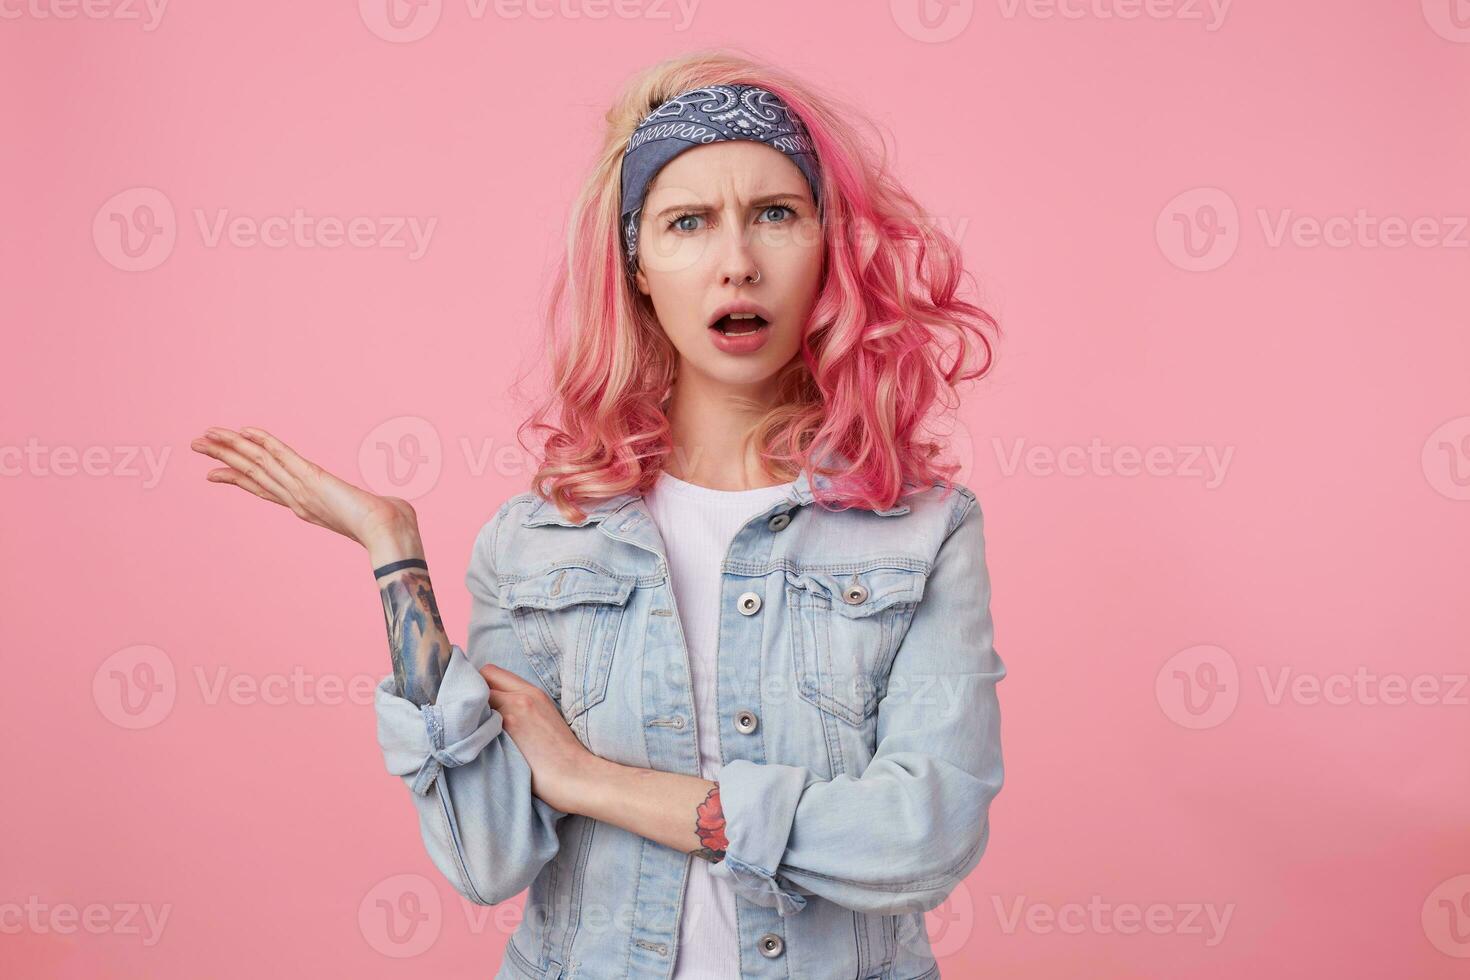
745, 168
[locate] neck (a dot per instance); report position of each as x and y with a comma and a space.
711, 427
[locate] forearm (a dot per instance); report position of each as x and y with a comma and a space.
670, 808
417, 643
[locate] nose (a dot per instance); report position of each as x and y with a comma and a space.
737, 262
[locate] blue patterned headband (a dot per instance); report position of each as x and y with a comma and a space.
708, 115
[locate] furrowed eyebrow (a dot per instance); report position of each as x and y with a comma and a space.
760, 202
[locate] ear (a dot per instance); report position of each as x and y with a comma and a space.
641, 280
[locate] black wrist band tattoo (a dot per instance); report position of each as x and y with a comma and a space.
394, 566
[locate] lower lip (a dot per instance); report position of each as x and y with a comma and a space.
747, 344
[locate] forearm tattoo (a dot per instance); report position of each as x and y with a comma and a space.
416, 638
710, 826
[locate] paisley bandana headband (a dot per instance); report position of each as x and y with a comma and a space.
708, 115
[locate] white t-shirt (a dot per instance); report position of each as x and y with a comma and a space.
697, 525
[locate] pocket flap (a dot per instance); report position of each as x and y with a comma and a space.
859, 594
566, 586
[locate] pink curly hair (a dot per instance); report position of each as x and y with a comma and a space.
870, 368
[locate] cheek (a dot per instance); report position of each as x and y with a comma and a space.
678, 314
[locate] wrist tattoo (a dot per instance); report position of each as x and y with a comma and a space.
709, 825
414, 632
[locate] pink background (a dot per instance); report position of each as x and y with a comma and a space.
1069, 153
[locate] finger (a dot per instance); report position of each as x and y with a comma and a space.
227, 448
242, 481
291, 461
238, 465
231, 475
258, 454
506, 680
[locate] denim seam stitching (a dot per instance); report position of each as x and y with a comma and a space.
454, 841
637, 887
906, 885
579, 871
553, 884
756, 569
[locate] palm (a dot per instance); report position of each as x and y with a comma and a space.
268, 468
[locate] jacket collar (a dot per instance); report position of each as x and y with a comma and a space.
546, 512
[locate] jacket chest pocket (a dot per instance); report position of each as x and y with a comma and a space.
567, 620
845, 630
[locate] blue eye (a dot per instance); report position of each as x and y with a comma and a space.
675, 226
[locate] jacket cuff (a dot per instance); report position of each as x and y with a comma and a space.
759, 803
421, 741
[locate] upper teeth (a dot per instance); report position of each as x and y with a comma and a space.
742, 316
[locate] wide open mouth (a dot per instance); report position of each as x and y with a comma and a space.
741, 324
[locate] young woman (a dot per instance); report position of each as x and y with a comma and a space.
728, 702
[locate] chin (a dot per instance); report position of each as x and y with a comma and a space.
749, 372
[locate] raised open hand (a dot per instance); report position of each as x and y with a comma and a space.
260, 463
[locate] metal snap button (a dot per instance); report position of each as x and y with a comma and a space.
746, 721
854, 594
771, 945
779, 522
749, 603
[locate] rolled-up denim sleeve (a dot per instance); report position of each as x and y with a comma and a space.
484, 829
902, 834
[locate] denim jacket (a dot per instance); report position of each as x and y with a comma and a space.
859, 733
